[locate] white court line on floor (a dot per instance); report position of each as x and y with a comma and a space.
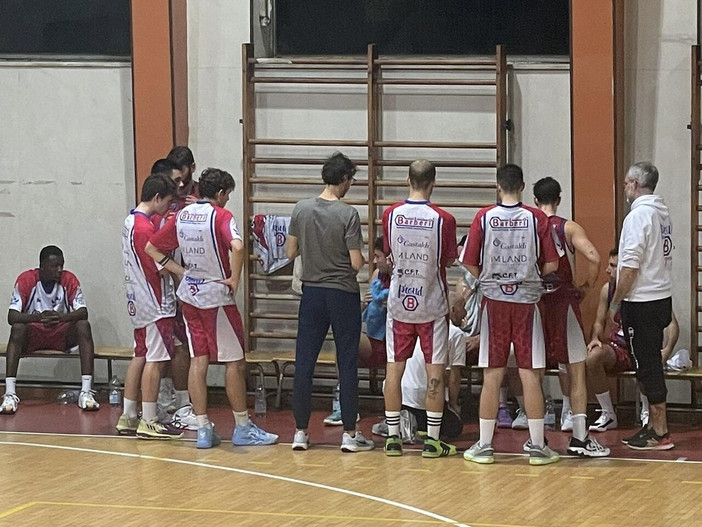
286, 479
416, 451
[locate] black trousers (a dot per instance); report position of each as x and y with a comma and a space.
643, 324
321, 307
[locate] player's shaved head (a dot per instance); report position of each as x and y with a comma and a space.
422, 173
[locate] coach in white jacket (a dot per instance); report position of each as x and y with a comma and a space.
644, 291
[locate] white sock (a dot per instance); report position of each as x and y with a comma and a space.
644, 403
10, 385
434, 424
520, 401
393, 421
487, 430
579, 427
202, 420
130, 408
86, 382
149, 411
536, 432
566, 404
503, 395
241, 418
182, 398
605, 401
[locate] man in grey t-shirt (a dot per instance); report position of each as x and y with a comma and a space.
327, 234
326, 231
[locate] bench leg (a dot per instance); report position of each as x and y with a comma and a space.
109, 370
281, 376
259, 372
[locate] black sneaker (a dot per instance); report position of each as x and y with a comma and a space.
652, 441
588, 448
641, 433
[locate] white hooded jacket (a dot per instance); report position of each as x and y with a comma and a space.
646, 244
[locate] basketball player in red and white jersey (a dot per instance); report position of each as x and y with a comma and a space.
420, 239
563, 326
609, 353
48, 312
173, 393
509, 247
213, 256
183, 158
151, 307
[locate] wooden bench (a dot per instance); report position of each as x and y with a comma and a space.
102, 352
110, 354
692, 375
282, 361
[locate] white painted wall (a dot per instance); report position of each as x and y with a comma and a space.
67, 179
660, 35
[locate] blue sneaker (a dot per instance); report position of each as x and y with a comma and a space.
251, 435
207, 437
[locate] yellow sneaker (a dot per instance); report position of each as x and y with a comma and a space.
127, 426
155, 430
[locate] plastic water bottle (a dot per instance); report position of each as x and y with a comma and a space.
336, 403
549, 413
260, 406
115, 394
68, 397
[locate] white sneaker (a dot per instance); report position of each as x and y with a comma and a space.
301, 441
480, 454
644, 417
86, 401
567, 421
10, 401
357, 443
606, 421
520, 422
588, 448
184, 418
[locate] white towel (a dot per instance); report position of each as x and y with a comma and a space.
679, 361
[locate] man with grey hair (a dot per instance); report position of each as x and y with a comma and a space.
644, 292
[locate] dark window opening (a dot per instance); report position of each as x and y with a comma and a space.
59, 28
422, 27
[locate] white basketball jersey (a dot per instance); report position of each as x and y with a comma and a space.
150, 295
204, 234
421, 238
510, 255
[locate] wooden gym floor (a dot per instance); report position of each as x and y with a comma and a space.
61, 466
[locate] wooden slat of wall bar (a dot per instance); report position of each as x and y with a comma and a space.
434, 144
308, 142
307, 80
442, 184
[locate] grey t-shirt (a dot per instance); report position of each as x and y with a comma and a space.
326, 231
